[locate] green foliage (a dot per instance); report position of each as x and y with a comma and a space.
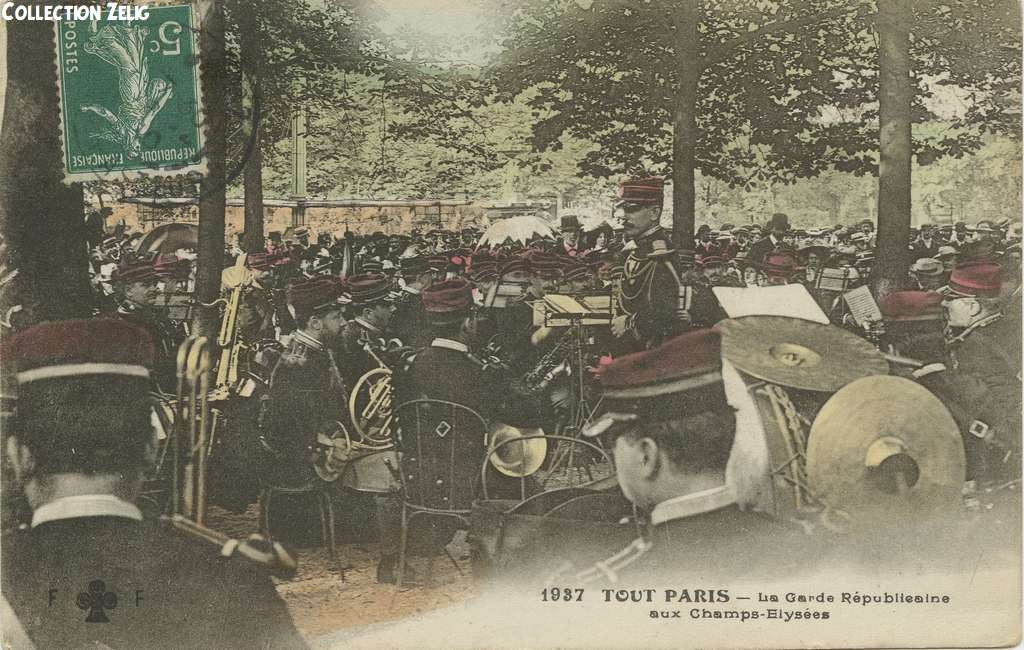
787, 89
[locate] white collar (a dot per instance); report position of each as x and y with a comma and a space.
85, 505
449, 344
695, 503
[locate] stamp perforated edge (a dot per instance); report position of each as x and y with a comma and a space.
200, 167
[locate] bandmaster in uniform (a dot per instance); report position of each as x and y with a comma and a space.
653, 301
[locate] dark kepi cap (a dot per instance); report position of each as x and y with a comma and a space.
448, 301
680, 378
640, 191
976, 278
369, 288
318, 294
75, 348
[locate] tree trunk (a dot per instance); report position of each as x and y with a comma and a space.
252, 239
211, 201
684, 125
894, 99
42, 219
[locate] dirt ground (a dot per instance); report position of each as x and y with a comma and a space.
322, 600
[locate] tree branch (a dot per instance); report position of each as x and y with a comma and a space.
721, 52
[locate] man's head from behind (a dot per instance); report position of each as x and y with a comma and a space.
667, 413
82, 423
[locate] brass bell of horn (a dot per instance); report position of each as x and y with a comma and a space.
516, 459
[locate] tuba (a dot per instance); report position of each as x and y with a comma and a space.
235, 279
192, 438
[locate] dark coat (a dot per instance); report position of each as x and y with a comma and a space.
760, 249
713, 548
305, 397
660, 304
171, 591
165, 363
453, 376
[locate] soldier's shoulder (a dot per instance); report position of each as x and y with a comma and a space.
616, 568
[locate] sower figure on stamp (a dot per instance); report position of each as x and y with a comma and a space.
79, 445
672, 432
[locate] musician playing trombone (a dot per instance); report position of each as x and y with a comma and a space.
79, 445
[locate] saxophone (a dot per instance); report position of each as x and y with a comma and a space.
550, 366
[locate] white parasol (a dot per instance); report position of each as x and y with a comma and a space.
517, 229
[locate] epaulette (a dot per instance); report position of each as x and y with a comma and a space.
662, 248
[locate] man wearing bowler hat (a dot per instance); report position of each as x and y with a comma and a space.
80, 444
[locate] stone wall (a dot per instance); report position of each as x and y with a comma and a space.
390, 217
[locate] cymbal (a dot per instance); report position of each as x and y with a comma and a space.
883, 442
798, 353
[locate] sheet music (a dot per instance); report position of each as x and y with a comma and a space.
791, 300
862, 305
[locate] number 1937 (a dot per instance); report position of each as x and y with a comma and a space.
563, 595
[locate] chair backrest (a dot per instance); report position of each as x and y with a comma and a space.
441, 444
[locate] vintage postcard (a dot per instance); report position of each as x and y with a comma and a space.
510, 324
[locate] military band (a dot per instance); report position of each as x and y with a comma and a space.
611, 337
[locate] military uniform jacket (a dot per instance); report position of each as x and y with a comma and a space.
446, 370
986, 377
708, 548
305, 397
165, 590
652, 294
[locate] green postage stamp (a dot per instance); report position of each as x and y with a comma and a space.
130, 100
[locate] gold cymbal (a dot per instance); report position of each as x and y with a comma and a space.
882, 444
798, 353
